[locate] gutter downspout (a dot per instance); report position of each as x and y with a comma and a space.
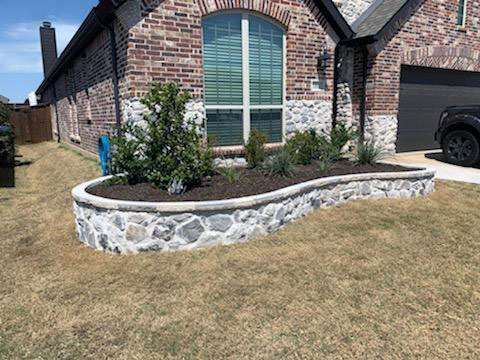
363, 103
114, 62
335, 86
54, 90
116, 91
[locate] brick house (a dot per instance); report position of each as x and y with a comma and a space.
276, 65
247, 63
421, 56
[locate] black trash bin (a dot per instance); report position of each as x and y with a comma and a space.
7, 156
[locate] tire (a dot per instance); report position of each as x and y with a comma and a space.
461, 147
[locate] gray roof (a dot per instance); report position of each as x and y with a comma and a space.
376, 17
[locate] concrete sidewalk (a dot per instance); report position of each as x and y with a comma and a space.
433, 160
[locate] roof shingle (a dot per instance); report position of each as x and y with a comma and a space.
376, 17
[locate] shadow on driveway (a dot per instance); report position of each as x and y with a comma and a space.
438, 156
433, 160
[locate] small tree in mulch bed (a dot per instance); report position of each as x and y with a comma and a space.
166, 150
255, 149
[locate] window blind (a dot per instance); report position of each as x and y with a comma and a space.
222, 57
266, 62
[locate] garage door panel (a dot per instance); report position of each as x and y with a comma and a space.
424, 94
422, 121
424, 137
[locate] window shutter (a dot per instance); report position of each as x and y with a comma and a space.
266, 62
222, 56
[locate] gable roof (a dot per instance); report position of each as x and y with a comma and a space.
376, 17
104, 13
382, 18
335, 18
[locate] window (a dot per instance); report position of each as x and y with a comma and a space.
243, 57
462, 13
73, 114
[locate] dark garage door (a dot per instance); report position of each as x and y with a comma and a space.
424, 94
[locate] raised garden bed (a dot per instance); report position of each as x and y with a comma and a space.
251, 182
124, 226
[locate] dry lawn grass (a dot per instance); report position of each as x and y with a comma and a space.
389, 279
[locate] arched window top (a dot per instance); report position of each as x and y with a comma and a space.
272, 10
253, 15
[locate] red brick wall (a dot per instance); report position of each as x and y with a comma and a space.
87, 82
167, 43
430, 37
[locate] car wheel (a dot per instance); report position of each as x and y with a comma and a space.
461, 147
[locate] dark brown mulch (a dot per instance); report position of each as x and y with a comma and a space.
252, 182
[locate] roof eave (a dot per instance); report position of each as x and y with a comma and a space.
389, 28
335, 19
100, 15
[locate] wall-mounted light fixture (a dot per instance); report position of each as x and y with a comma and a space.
322, 60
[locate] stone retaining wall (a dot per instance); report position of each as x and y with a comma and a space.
131, 227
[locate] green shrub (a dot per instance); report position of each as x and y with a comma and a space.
255, 149
368, 153
7, 145
232, 174
167, 149
324, 164
341, 135
304, 147
128, 154
280, 164
5, 113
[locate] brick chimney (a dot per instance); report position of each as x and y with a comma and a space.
49, 46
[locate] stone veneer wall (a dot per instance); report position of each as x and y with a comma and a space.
382, 131
352, 9
303, 115
300, 115
134, 110
132, 227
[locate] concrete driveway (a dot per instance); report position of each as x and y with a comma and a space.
433, 160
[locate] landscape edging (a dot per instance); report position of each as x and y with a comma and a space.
130, 226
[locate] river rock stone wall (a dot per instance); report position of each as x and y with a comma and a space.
352, 9
303, 115
132, 227
382, 131
134, 111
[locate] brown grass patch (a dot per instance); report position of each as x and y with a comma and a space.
387, 279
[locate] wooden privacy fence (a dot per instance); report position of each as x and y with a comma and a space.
32, 125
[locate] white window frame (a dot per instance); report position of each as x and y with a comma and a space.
74, 123
246, 107
464, 19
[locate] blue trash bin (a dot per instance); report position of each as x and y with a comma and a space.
104, 154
